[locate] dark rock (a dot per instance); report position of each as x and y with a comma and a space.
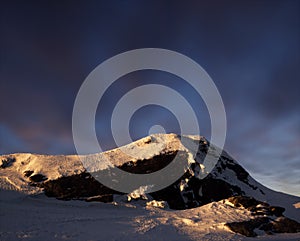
28, 173
246, 228
7, 162
256, 207
277, 211
282, 225
261, 191
75, 187
171, 195
241, 173
211, 190
150, 165
38, 178
215, 189
246, 202
270, 226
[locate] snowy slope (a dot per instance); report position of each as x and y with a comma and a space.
27, 214
37, 218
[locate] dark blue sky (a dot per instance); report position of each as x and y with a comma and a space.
250, 49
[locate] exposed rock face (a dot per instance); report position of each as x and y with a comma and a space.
256, 207
190, 191
81, 186
263, 218
266, 224
38, 178
7, 162
247, 228
150, 165
282, 225
187, 192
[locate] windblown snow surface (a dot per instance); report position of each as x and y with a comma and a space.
27, 214
38, 217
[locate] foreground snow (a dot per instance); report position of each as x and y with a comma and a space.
37, 217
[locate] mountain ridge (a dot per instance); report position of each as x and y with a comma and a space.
220, 185
32, 173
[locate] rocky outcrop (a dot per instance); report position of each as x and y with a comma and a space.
268, 225
153, 164
247, 228
281, 225
256, 207
7, 162
263, 218
82, 186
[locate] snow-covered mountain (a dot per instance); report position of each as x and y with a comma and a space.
205, 188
